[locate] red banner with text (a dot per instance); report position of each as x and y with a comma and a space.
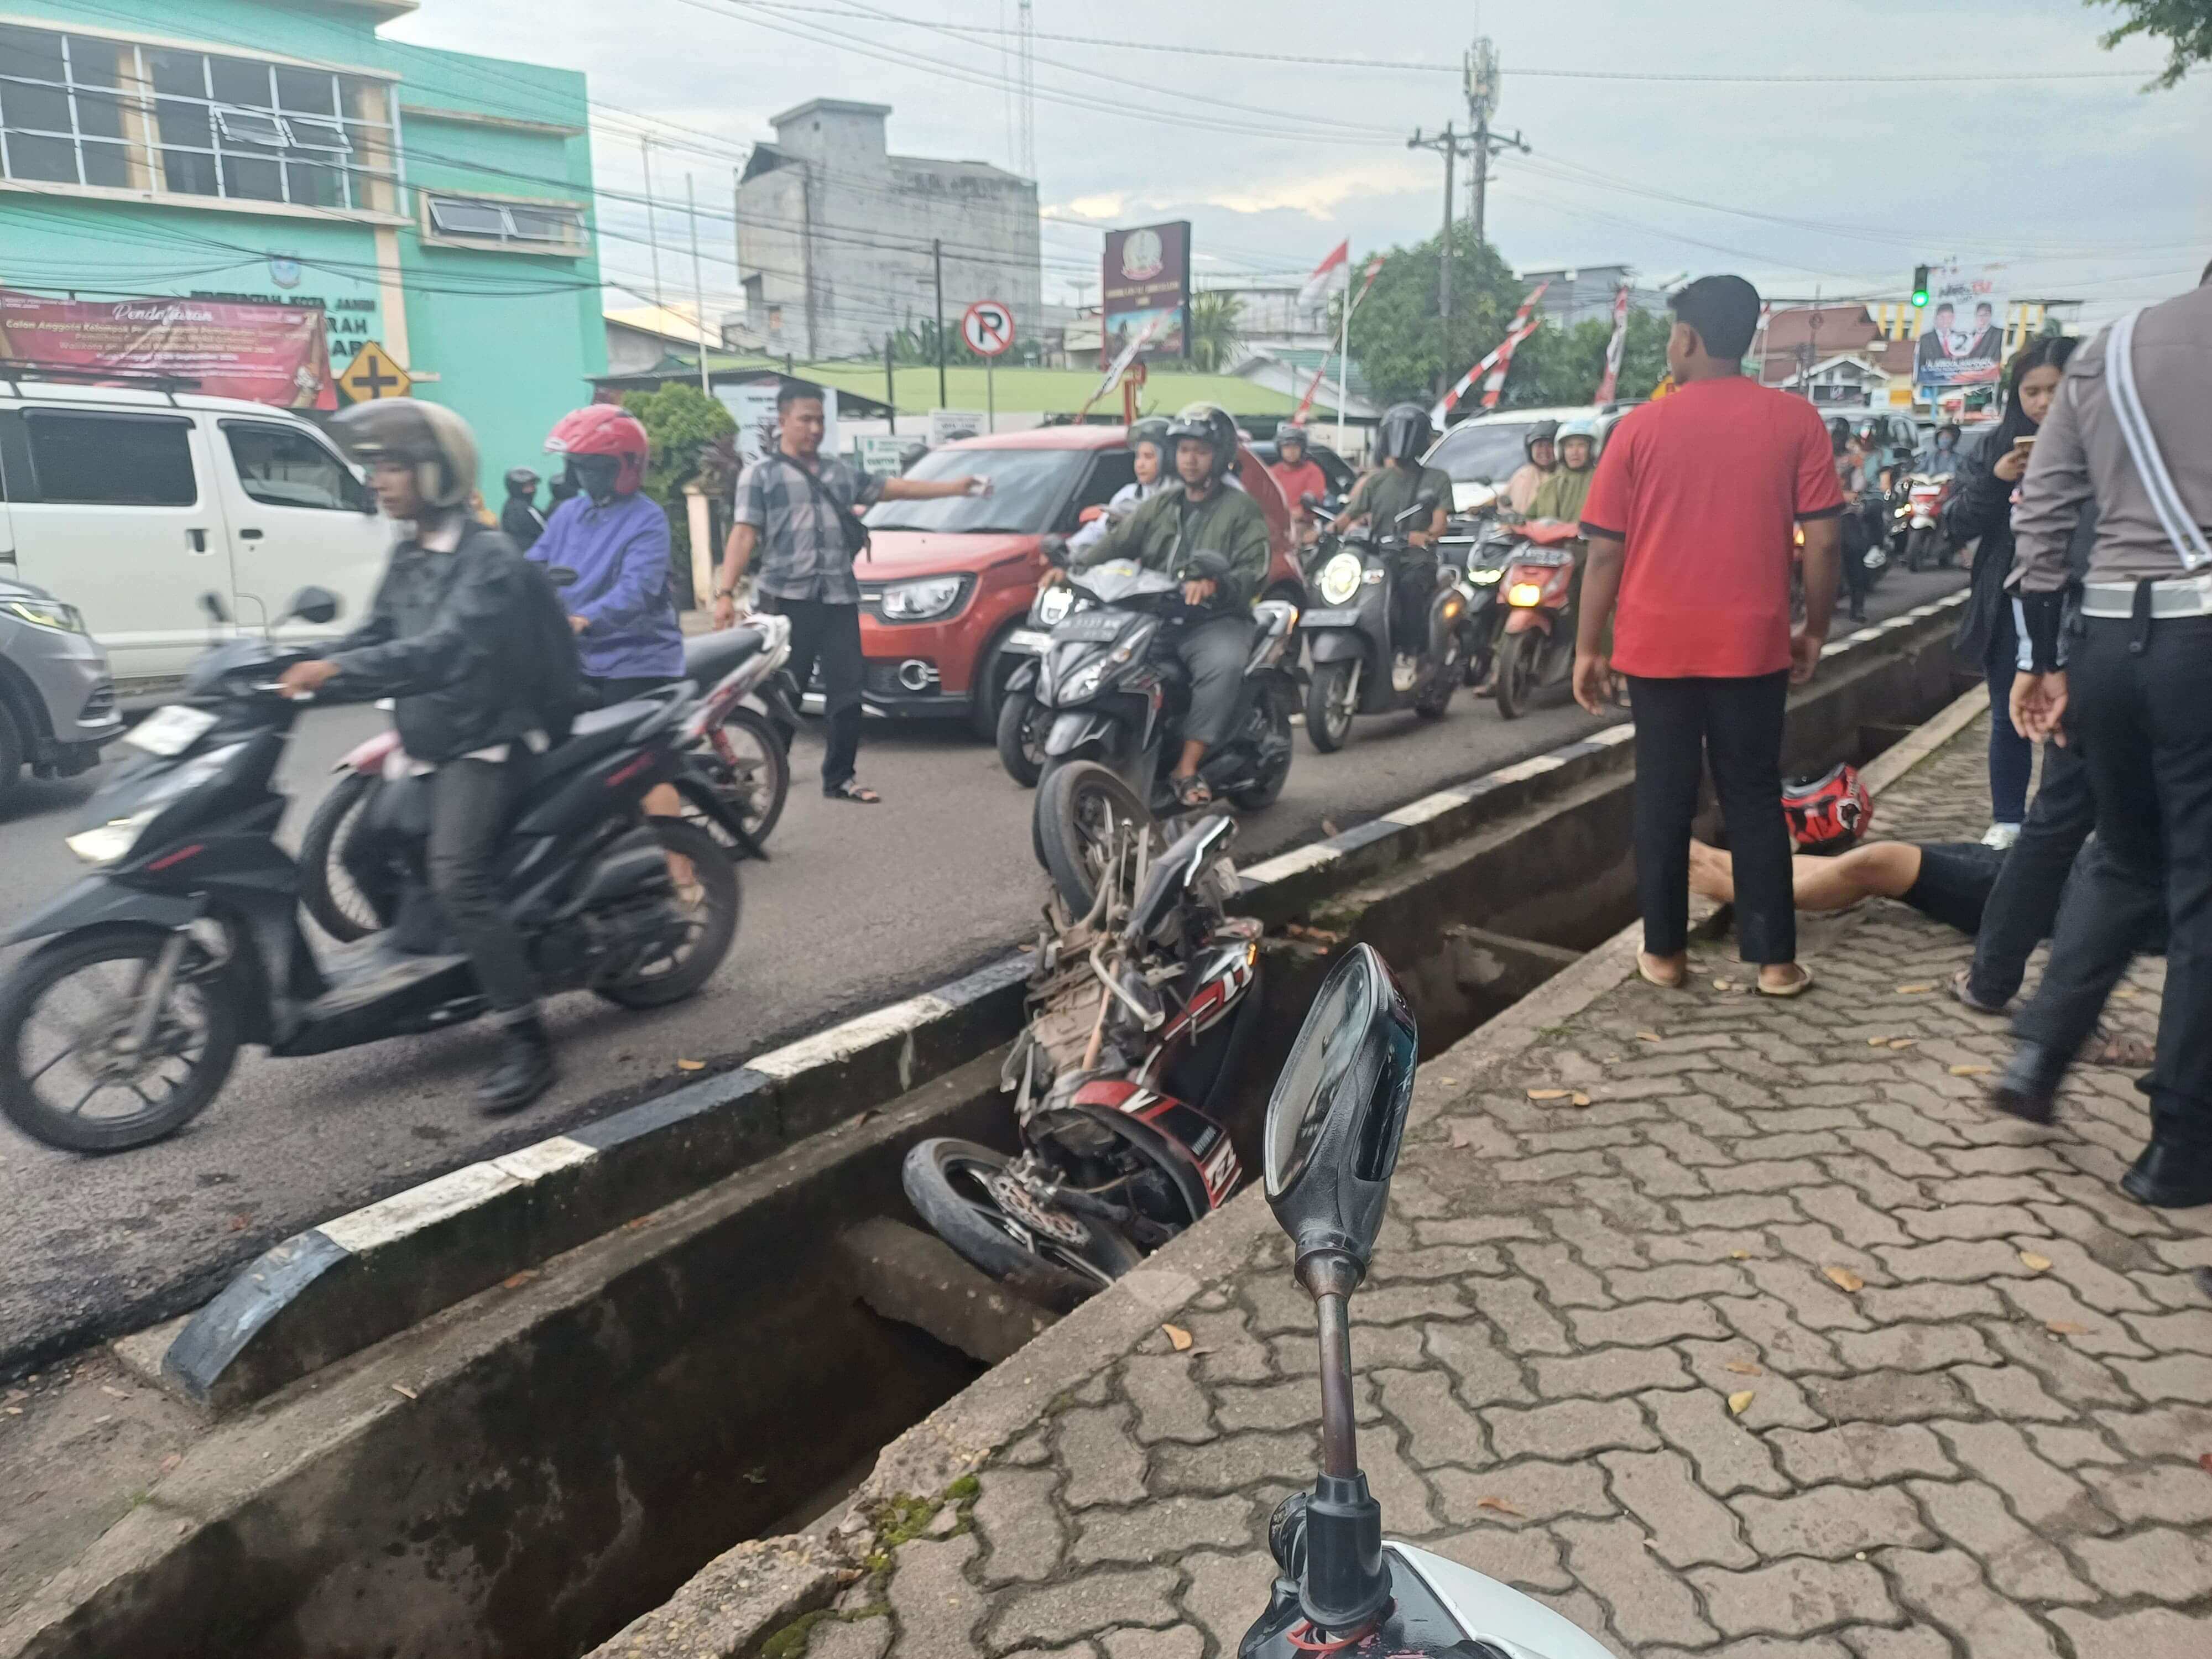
266, 354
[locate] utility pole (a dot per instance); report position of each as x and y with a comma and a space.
891, 386
937, 269
652, 221
1482, 90
1451, 144
698, 285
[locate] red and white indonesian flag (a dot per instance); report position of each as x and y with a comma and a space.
1120, 366
1333, 273
1614, 347
1492, 370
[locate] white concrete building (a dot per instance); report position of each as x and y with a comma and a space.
835, 234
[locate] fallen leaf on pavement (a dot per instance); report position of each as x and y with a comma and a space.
171, 1462
1737, 1402
690, 1065
516, 1281
1914, 990
2124, 995
1548, 1094
1903, 1042
2205, 1462
113, 1394
1844, 1278
1724, 985
1739, 1255
1462, 1132
2064, 1328
1971, 1071
1498, 1504
1578, 1099
1178, 1338
1743, 1368
1647, 1036
401, 1387
1328, 827
1878, 1042
2033, 1262
237, 1223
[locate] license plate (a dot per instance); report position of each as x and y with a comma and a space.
1096, 628
1541, 560
170, 730
1030, 639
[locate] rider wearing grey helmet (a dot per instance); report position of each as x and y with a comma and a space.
1215, 539
1155, 470
1539, 444
1385, 496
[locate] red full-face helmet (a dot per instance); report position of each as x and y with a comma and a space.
605, 429
1829, 813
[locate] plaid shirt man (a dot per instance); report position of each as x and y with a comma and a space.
802, 548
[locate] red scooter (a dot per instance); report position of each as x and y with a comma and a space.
1926, 544
1538, 594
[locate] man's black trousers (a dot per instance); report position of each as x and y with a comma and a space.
2141, 709
829, 635
1737, 723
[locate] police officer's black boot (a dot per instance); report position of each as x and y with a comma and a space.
526, 1068
2175, 1171
2029, 1087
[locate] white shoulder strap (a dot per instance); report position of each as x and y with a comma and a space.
2173, 515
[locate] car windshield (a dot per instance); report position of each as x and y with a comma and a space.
1481, 452
1027, 488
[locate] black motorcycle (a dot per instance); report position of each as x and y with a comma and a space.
126, 1023
1370, 655
1119, 699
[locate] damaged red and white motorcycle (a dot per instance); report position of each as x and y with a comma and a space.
1139, 1012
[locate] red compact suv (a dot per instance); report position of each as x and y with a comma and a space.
945, 582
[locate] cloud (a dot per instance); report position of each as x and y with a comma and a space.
1318, 195
1108, 204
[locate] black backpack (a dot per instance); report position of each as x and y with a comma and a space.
549, 669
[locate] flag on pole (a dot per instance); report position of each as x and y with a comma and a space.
1329, 274
1614, 346
1314, 386
1120, 366
1374, 270
1495, 364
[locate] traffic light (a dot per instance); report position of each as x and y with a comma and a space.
1919, 286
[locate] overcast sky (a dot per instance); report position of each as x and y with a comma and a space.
2089, 188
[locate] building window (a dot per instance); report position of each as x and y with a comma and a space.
112, 460
538, 226
77, 110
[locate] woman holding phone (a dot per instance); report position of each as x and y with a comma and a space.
1980, 508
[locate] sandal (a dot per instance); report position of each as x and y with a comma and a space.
1651, 975
2127, 1053
1797, 988
1191, 793
850, 790
1962, 990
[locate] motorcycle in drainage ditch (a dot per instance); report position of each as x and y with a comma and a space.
1139, 1011
1119, 697
1335, 1123
1536, 646
188, 942
1360, 665
740, 729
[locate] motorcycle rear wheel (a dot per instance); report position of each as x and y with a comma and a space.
1080, 806
327, 889
718, 908
950, 1184
206, 1053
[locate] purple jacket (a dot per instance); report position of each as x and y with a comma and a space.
620, 555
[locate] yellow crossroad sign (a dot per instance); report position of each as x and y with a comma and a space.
373, 374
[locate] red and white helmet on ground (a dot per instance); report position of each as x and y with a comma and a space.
1829, 813
608, 431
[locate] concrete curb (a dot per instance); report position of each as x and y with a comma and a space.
353, 1280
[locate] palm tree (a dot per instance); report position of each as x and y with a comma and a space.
1217, 341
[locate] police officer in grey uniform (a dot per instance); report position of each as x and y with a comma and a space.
2130, 680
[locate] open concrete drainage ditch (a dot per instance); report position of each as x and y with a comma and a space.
506, 1417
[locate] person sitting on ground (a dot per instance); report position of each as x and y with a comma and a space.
1561, 495
1539, 444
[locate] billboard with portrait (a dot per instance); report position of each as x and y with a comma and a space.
1147, 285
1962, 330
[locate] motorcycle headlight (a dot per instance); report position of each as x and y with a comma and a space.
46, 613
109, 842
1484, 578
1340, 578
1525, 593
918, 601
1084, 681
1053, 604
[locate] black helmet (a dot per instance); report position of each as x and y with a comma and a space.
1839, 433
430, 437
1544, 432
1153, 430
1209, 424
1291, 432
521, 481
1405, 432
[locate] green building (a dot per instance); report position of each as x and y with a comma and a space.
437, 202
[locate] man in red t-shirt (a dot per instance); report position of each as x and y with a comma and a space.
1298, 475
1689, 522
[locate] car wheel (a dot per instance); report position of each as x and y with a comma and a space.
989, 691
11, 749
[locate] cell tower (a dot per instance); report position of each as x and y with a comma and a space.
1025, 92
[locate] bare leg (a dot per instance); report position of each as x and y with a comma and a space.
1885, 869
662, 801
1193, 752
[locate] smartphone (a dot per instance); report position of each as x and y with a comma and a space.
2029, 442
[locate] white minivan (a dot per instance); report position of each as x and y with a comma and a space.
131, 504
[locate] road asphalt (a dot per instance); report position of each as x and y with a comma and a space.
859, 906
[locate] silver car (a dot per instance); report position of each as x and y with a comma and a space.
57, 696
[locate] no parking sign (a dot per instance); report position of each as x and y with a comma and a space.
988, 327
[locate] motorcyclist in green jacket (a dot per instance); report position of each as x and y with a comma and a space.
1168, 533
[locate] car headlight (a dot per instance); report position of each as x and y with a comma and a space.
1053, 604
46, 613
1340, 578
919, 601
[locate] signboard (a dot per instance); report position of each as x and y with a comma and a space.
268, 354
753, 406
988, 327
880, 453
1962, 330
1146, 285
372, 374
950, 425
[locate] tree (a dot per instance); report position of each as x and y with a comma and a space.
1563, 366
1400, 346
683, 422
2185, 25
1217, 333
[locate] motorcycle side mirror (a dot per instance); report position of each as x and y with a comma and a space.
560, 575
1309, 500
1054, 546
318, 606
1335, 1123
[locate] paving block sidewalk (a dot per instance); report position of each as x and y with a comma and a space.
1778, 1348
